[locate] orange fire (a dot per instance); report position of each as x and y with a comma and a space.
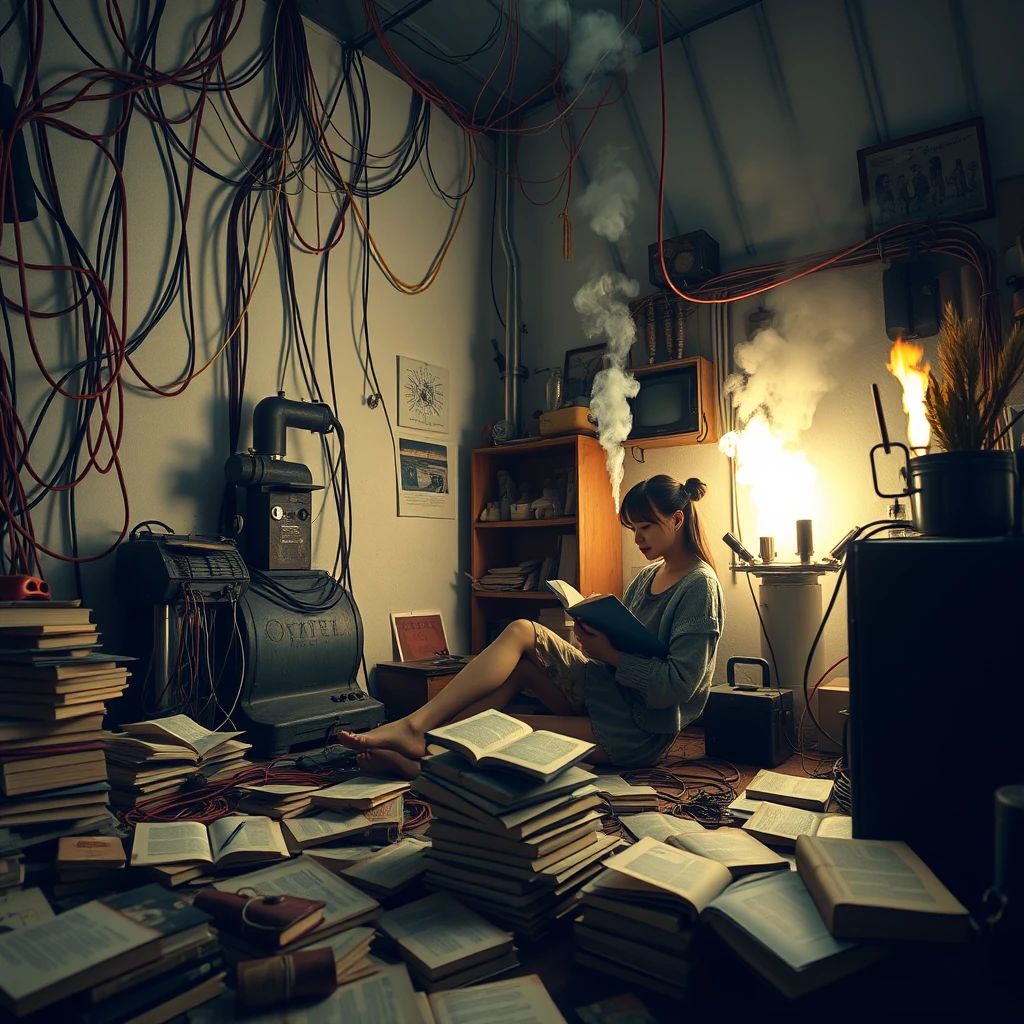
905, 365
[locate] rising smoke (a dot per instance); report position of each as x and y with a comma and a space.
608, 203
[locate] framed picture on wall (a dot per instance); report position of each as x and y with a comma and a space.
936, 175
581, 366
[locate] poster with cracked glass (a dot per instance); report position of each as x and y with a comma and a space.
424, 482
422, 395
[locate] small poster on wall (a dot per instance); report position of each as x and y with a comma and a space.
419, 635
424, 480
422, 395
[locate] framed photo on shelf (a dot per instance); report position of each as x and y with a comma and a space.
581, 366
936, 175
419, 635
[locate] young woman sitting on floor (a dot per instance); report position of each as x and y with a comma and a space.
631, 707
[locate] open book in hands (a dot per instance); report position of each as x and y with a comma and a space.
608, 615
227, 841
496, 740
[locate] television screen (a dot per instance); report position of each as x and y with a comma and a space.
666, 404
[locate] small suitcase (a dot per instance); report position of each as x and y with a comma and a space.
747, 725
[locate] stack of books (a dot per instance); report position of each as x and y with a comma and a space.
138, 955
625, 798
359, 794
789, 806
390, 871
523, 576
54, 683
154, 758
89, 862
515, 844
277, 801
445, 944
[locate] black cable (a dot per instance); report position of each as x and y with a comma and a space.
494, 214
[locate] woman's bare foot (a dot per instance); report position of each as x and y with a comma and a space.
387, 763
399, 737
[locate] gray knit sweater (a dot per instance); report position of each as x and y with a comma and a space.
672, 691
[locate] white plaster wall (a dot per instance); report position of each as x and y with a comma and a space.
174, 448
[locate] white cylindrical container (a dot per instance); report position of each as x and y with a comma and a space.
791, 609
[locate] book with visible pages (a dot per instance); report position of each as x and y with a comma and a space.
180, 730
624, 796
223, 843
503, 789
743, 807
523, 1000
438, 937
771, 922
20, 908
496, 740
611, 894
780, 825
325, 827
608, 615
360, 793
658, 826
350, 949
345, 906
733, 848
337, 858
876, 888
658, 875
277, 801
391, 870
47, 962
791, 790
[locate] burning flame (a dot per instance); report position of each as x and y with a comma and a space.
783, 484
905, 365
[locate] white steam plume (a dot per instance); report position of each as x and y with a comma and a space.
609, 200
599, 44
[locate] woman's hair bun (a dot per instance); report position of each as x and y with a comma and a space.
695, 489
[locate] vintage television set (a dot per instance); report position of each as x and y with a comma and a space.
936, 701
675, 403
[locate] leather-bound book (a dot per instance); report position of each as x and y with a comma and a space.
269, 921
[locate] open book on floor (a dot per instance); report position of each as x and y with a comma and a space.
492, 739
733, 848
223, 843
874, 888
607, 614
778, 825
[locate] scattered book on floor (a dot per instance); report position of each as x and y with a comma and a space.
351, 949
50, 961
780, 825
345, 906
393, 869
337, 858
771, 922
180, 730
90, 852
523, 1000
20, 908
276, 800
272, 922
226, 842
325, 827
743, 807
387, 821
306, 976
493, 739
658, 826
791, 790
879, 889
733, 848
445, 944
607, 614
624, 797
359, 794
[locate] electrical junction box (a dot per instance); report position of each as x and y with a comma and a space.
689, 259
278, 528
910, 300
832, 700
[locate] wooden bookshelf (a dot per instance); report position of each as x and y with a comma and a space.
595, 525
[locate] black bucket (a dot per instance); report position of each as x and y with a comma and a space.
963, 494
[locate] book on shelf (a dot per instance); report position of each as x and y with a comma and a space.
494, 739
441, 940
780, 825
658, 826
524, 1000
608, 615
568, 567
57, 958
771, 922
391, 870
324, 827
733, 848
226, 842
791, 790
345, 906
360, 793
507, 790
875, 889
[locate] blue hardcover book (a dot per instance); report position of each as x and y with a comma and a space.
607, 614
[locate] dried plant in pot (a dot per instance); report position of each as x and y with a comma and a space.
968, 489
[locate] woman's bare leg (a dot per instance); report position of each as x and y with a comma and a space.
476, 684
